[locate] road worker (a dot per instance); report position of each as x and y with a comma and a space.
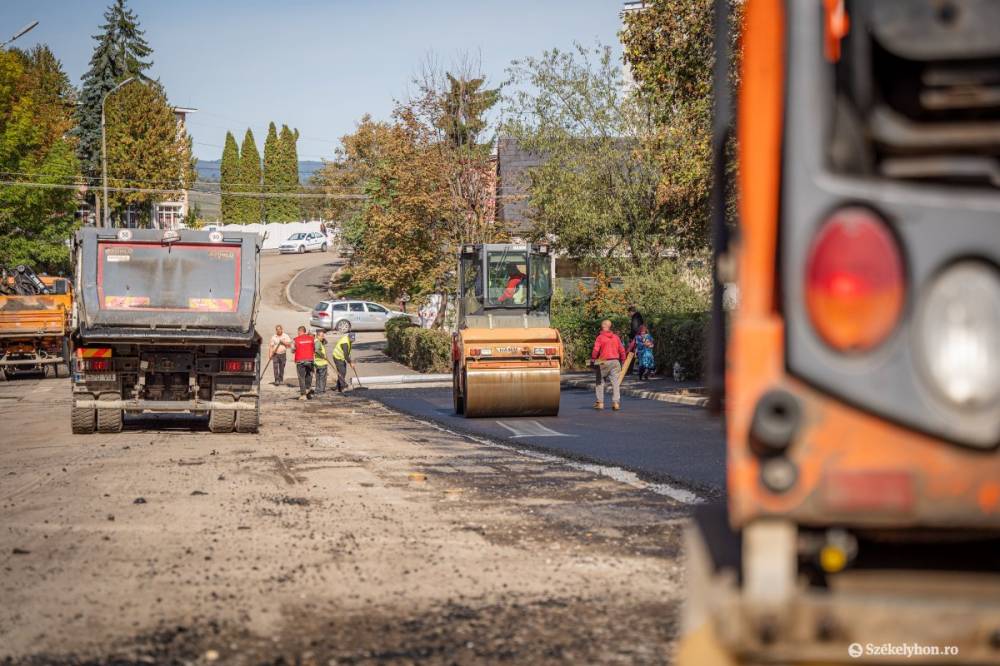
320, 362
608, 356
342, 358
304, 348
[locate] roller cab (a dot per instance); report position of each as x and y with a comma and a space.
506, 356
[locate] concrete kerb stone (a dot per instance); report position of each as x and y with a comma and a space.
677, 399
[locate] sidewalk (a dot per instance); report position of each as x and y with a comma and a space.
663, 389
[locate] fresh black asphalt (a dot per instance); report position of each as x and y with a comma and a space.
658, 440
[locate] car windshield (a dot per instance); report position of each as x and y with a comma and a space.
296, 237
144, 276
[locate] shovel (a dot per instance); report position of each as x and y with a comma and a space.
361, 387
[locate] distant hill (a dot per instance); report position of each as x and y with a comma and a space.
208, 170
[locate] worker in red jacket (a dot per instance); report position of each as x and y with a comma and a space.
608, 357
304, 348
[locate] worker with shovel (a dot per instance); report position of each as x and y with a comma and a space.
342, 358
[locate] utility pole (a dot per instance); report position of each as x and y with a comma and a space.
20, 33
105, 218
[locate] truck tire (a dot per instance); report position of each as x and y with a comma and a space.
110, 420
222, 420
248, 420
83, 421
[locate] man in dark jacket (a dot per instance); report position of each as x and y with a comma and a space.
607, 357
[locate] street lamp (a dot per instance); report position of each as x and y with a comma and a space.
26, 29
104, 150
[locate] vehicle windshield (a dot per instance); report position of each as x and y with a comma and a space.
144, 277
507, 271
541, 281
296, 237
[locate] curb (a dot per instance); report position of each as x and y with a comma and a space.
405, 379
646, 395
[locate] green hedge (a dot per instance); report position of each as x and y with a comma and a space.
424, 350
681, 338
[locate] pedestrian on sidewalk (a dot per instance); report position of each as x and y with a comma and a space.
608, 356
342, 358
635, 321
277, 353
320, 361
642, 345
304, 348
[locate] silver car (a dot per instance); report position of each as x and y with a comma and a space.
347, 316
306, 241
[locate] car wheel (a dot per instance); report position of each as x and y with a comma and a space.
302, 248
344, 326
323, 248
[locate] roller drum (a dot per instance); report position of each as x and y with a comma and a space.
513, 391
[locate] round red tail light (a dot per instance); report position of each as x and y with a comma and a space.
854, 280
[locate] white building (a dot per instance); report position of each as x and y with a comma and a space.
170, 214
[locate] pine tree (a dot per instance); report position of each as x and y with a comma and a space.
121, 52
288, 167
248, 180
273, 208
229, 172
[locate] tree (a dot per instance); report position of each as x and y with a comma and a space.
147, 156
597, 190
288, 175
36, 113
229, 177
272, 176
121, 52
248, 206
670, 49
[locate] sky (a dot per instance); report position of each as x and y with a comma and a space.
311, 64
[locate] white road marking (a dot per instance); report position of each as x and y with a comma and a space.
530, 429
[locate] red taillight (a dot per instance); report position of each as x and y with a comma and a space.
473, 352
550, 351
237, 365
97, 364
322, 314
854, 281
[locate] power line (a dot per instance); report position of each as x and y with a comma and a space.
149, 190
83, 180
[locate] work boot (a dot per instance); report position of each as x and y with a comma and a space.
598, 405
303, 397
615, 406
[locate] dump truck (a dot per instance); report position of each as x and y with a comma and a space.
506, 356
166, 325
861, 368
35, 321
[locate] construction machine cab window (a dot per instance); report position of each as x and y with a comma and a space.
519, 279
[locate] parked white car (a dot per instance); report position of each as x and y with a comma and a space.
344, 316
304, 242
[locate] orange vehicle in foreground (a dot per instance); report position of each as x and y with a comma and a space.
35, 322
862, 371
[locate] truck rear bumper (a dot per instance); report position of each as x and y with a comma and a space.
46, 360
163, 405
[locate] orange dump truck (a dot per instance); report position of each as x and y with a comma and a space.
35, 316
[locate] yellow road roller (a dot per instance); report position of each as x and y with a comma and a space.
505, 355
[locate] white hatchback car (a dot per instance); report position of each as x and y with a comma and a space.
344, 316
305, 241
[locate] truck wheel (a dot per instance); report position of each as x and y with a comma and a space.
110, 420
222, 420
248, 420
456, 393
343, 326
83, 421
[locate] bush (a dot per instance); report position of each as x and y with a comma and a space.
424, 350
675, 313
